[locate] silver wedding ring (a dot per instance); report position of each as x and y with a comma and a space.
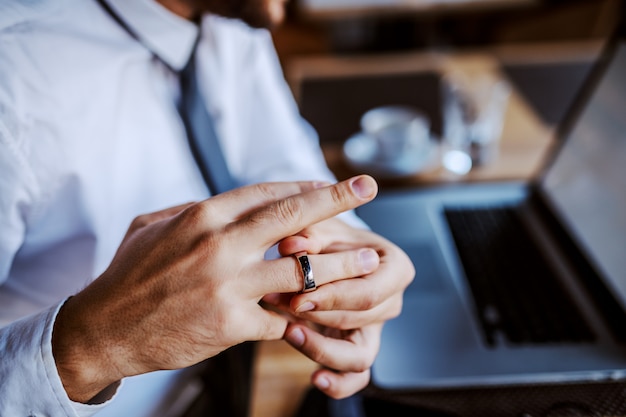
307, 273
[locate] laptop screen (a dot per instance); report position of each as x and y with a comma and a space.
586, 182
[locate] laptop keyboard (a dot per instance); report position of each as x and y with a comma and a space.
517, 296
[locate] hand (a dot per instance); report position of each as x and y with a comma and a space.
346, 356
352, 311
185, 283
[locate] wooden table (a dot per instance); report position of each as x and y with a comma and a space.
281, 374
524, 140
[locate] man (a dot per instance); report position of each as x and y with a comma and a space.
98, 317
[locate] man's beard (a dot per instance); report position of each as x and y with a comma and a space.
256, 13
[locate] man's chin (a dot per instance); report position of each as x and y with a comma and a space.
256, 13
277, 13
257, 23
268, 18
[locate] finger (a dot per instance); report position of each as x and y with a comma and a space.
339, 385
331, 235
284, 275
393, 275
345, 319
232, 205
290, 215
299, 243
279, 300
268, 325
354, 353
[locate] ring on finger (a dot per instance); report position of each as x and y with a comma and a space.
308, 283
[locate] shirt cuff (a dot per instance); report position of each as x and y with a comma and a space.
31, 384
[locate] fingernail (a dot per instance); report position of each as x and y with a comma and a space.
369, 260
322, 383
364, 187
306, 306
295, 337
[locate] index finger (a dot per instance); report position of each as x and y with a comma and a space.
235, 204
288, 216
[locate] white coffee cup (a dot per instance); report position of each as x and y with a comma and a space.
397, 130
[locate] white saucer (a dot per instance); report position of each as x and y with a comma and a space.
361, 153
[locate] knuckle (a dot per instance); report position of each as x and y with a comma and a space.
330, 302
263, 330
285, 212
316, 353
193, 215
342, 323
366, 304
202, 213
288, 211
345, 322
368, 300
396, 309
139, 222
233, 318
267, 191
350, 265
362, 364
339, 197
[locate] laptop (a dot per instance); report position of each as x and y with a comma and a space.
518, 282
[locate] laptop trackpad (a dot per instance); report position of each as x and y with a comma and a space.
428, 267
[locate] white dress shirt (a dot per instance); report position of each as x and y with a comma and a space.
90, 138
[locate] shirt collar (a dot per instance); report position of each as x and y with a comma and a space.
167, 35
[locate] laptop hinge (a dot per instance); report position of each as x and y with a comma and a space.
603, 298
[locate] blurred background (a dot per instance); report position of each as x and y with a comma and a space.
356, 26
345, 57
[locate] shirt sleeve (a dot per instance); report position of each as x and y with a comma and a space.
31, 385
29, 381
